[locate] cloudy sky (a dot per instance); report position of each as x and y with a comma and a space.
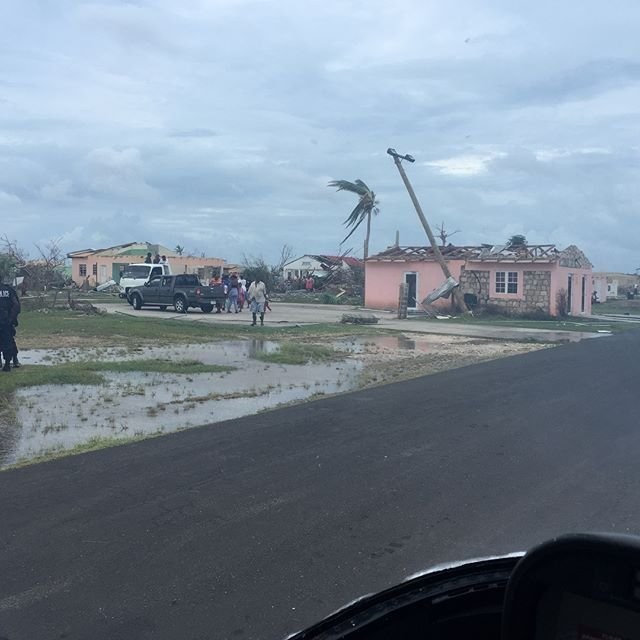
216, 124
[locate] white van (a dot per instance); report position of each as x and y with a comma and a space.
136, 275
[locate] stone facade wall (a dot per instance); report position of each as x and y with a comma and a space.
536, 291
476, 282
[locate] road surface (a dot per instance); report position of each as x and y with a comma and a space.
256, 527
287, 314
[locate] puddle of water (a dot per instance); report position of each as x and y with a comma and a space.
55, 417
421, 344
231, 352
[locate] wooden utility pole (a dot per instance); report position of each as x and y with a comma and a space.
458, 298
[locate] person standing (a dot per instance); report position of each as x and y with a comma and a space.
232, 299
242, 297
14, 330
257, 295
148, 259
9, 310
242, 294
308, 285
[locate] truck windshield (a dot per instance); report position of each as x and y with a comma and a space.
136, 271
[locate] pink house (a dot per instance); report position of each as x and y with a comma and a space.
530, 279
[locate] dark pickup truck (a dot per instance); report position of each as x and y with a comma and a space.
181, 292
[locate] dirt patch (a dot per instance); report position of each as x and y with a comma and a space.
414, 356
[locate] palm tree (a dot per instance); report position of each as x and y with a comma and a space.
517, 241
367, 206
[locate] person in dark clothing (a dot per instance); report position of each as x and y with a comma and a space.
14, 346
148, 259
233, 292
9, 310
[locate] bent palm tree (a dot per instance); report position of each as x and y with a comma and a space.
367, 205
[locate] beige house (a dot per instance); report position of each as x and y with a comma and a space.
101, 265
611, 285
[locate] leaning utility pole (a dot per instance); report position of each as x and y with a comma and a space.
458, 299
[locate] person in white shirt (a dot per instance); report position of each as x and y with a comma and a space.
257, 295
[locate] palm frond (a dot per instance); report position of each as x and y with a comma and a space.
363, 186
367, 203
355, 226
360, 211
358, 187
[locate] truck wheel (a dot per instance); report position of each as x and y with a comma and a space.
136, 302
206, 308
180, 304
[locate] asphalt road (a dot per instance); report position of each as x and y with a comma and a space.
256, 527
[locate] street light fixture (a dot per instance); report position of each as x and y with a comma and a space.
395, 154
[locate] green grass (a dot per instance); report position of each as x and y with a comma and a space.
86, 372
58, 329
159, 366
622, 307
583, 325
300, 353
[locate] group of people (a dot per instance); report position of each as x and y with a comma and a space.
305, 282
9, 311
158, 259
240, 291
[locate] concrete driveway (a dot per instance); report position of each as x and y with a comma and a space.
284, 314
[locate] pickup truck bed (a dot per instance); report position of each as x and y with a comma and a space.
181, 292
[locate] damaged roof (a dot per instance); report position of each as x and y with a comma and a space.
569, 257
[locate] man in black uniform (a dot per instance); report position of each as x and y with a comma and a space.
9, 310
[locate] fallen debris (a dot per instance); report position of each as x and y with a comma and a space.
350, 318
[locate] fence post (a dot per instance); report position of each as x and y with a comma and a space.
402, 301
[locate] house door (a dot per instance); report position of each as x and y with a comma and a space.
584, 294
411, 280
569, 293
103, 274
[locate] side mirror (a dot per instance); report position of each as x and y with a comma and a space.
146, 284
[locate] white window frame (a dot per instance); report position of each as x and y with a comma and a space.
417, 275
509, 278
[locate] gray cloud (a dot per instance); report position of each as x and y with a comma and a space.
219, 124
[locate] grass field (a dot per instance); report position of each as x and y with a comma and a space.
623, 307
300, 353
59, 329
88, 373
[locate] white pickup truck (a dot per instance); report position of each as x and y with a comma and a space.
136, 275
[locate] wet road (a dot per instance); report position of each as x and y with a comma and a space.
256, 527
